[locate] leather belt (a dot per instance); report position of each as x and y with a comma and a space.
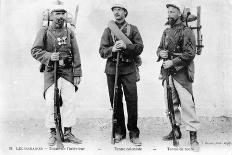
121, 60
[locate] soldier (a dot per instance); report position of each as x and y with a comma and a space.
109, 47
178, 49
59, 37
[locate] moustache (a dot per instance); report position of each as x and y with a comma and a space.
116, 15
60, 20
170, 19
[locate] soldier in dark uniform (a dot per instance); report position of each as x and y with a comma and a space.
62, 39
109, 47
178, 45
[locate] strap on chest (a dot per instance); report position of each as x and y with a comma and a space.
174, 39
128, 28
54, 38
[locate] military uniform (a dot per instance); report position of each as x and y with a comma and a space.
66, 44
63, 41
180, 42
127, 76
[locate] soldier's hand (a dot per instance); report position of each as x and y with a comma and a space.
55, 56
163, 54
121, 44
167, 64
77, 81
115, 48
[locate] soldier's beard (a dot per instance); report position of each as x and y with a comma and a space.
59, 23
171, 21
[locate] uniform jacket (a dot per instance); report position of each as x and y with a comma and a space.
181, 44
131, 51
43, 47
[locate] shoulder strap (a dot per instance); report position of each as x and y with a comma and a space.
127, 34
124, 25
182, 29
128, 26
181, 38
117, 32
51, 34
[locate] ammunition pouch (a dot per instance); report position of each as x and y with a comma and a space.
190, 68
122, 58
175, 69
65, 61
41, 68
138, 61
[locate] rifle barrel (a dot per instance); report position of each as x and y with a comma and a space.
57, 116
114, 120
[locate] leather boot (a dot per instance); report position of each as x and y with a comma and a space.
52, 138
170, 135
136, 141
134, 138
119, 137
69, 137
193, 141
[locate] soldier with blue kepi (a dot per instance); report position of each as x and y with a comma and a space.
178, 48
57, 42
129, 48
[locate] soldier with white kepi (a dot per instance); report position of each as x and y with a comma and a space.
56, 43
177, 49
121, 44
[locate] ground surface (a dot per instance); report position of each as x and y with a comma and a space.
215, 136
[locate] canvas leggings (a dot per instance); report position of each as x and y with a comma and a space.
67, 110
182, 99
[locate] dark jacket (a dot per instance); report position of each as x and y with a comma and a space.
129, 53
181, 44
43, 47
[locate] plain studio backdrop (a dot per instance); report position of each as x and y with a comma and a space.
22, 84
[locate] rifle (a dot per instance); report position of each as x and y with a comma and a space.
115, 100
171, 113
57, 104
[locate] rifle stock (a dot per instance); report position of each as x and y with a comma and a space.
115, 100
57, 104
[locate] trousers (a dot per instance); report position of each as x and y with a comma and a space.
67, 110
127, 84
183, 100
